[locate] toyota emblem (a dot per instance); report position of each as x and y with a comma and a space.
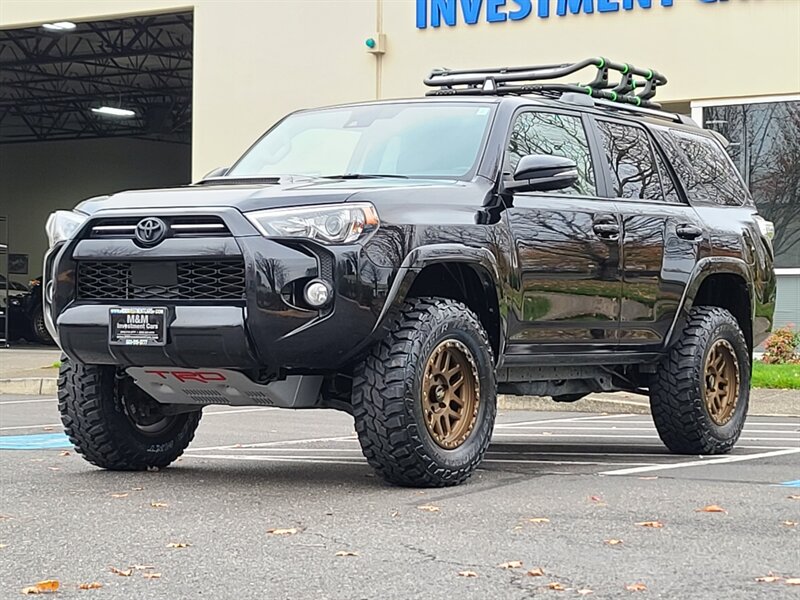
150, 231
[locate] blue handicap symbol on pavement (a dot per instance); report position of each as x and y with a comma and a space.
38, 441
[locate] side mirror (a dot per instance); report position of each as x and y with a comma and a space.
218, 172
543, 173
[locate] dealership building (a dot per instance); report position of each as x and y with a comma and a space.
98, 96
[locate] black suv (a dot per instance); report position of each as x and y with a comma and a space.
405, 261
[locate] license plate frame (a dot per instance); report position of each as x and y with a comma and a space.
137, 326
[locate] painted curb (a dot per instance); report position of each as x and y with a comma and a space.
32, 386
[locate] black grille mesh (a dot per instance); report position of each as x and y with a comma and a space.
197, 280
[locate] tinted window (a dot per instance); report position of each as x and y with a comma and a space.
667, 183
557, 135
705, 170
633, 170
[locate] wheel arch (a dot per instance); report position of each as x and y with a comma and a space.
466, 274
722, 282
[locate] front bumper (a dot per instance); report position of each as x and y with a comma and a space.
267, 328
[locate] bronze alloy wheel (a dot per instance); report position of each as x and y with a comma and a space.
721, 389
450, 394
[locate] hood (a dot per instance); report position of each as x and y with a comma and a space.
251, 196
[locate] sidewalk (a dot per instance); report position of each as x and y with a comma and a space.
31, 371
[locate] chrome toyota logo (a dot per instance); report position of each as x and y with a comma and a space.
150, 231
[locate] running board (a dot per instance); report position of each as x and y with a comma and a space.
202, 387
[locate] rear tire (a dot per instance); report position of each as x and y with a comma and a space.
109, 429
418, 424
700, 393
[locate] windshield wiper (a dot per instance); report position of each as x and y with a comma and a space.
365, 176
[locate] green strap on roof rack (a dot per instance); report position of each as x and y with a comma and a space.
632, 86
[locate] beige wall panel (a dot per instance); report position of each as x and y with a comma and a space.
18, 13
734, 48
256, 61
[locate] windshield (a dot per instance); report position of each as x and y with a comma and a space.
400, 140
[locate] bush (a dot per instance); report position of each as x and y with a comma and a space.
781, 347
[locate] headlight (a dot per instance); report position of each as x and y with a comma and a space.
332, 224
62, 224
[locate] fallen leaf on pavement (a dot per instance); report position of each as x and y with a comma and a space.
613, 542
769, 578
636, 587
790, 523
429, 508
467, 574
159, 504
47, 429
539, 520
279, 531
512, 564
649, 478
178, 545
536, 572
712, 508
794, 497
554, 585
793, 581
54, 468
64, 453
652, 524
142, 567
346, 553
585, 592
121, 572
151, 575
595, 498
94, 585
137, 489
48, 586
123, 495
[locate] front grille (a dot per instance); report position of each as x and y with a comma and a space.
178, 227
198, 280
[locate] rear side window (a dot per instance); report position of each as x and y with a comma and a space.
633, 169
707, 173
557, 135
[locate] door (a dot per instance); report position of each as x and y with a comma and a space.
661, 234
567, 297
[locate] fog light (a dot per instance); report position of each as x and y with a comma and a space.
317, 293
48, 292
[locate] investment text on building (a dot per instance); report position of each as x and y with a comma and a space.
435, 13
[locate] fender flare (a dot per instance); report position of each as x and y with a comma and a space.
704, 268
425, 256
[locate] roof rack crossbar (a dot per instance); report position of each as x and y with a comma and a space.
635, 86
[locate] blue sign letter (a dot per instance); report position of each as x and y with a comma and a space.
422, 14
607, 5
523, 11
628, 4
443, 8
544, 9
492, 14
471, 10
574, 7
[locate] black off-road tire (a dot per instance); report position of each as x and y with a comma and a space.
387, 404
96, 422
676, 395
39, 331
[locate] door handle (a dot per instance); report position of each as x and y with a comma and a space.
606, 227
687, 231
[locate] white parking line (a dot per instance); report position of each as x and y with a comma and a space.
615, 428
346, 438
702, 463
47, 425
560, 420
28, 401
627, 436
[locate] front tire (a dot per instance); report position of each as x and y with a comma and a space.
700, 393
116, 426
424, 399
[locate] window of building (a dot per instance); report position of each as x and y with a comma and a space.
765, 146
633, 169
557, 135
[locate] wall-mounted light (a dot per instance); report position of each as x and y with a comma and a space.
113, 111
59, 26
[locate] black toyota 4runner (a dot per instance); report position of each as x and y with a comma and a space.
405, 261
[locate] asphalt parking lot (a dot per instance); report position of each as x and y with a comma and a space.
554, 493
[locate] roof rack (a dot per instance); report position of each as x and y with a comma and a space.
635, 86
